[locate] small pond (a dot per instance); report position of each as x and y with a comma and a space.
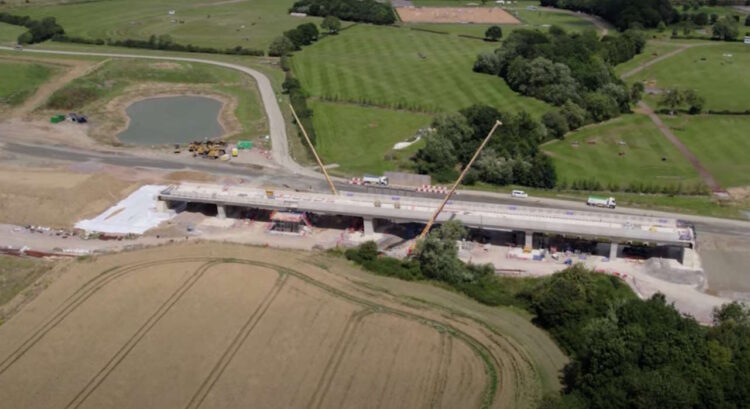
171, 120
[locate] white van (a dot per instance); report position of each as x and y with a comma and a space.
519, 193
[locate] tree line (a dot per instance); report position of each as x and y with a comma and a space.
162, 42
49, 29
38, 30
631, 353
365, 11
298, 100
624, 352
512, 155
572, 71
623, 14
303, 34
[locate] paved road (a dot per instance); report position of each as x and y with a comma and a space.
276, 123
283, 178
297, 176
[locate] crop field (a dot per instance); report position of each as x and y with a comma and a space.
404, 69
360, 139
21, 79
222, 326
720, 142
594, 153
718, 72
215, 23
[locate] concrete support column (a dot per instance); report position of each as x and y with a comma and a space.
529, 240
221, 211
162, 206
369, 226
613, 251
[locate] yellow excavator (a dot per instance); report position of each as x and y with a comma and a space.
208, 148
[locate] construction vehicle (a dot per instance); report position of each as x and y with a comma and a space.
215, 153
208, 148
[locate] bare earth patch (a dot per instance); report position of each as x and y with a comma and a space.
54, 198
476, 15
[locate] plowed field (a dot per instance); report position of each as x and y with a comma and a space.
475, 15
222, 326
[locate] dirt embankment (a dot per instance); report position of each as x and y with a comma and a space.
55, 198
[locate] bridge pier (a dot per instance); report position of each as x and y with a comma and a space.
369, 226
221, 211
613, 251
528, 240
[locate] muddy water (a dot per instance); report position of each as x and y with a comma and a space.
170, 120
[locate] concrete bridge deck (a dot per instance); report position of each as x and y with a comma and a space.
594, 225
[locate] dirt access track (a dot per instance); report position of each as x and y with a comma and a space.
224, 326
475, 15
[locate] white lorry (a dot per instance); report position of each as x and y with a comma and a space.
375, 180
602, 202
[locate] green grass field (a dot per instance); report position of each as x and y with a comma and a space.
360, 138
20, 80
215, 23
644, 147
717, 71
115, 78
651, 51
721, 143
9, 33
404, 69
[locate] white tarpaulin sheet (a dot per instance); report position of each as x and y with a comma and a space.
134, 214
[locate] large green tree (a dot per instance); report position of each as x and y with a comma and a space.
725, 29
493, 33
332, 24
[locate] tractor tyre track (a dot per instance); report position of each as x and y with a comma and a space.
228, 355
492, 363
131, 343
74, 301
337, 355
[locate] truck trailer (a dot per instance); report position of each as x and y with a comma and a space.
602, 202
375, 180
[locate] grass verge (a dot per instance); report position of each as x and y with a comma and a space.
360, 139
20, 80
16, 274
